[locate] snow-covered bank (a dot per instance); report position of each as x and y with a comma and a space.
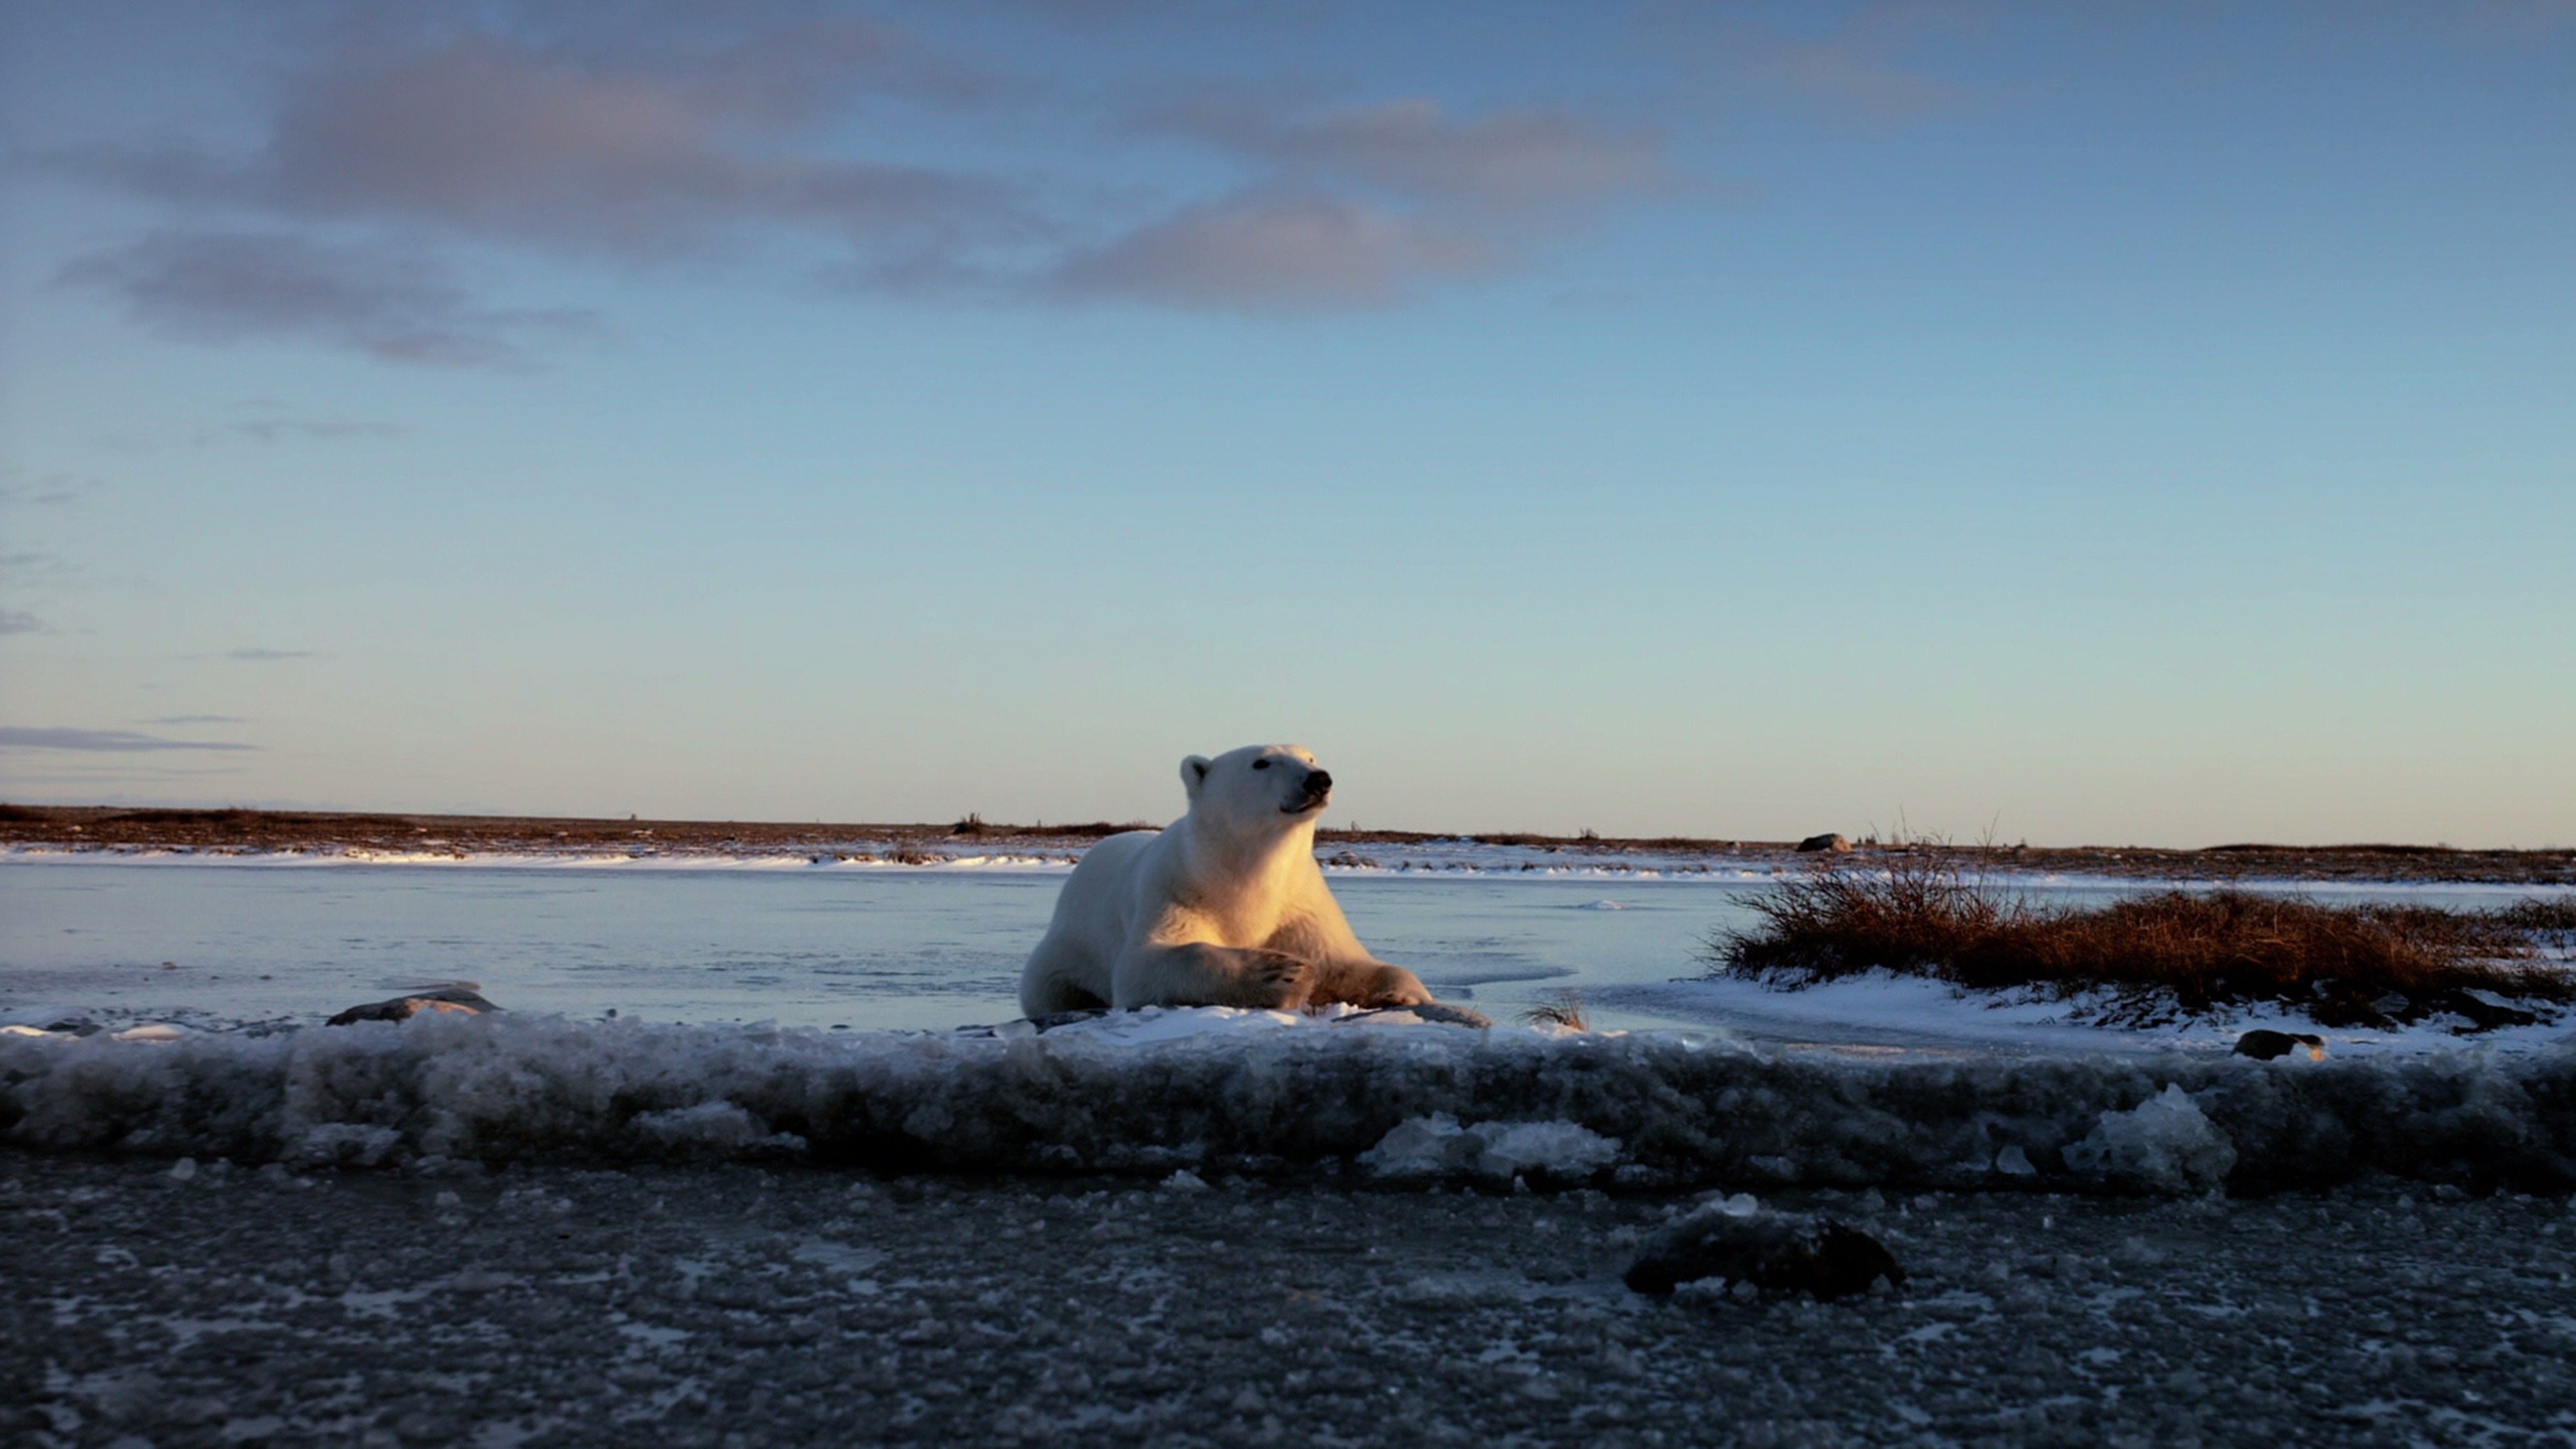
1676, 1107
1887, 1008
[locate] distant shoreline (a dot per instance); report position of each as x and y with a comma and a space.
121, 829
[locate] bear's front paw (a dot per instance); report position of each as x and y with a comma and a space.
1393, 986
1277, 981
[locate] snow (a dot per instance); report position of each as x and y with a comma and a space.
1236, 1094
1889, 1008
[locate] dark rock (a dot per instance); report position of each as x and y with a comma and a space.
2264, 1044
455, 999
1836, 843
2485, 1012
1775, 1252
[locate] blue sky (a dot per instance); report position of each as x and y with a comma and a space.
2089, 423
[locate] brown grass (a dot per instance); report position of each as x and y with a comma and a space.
2553, 918
1920, 913
1565, 1011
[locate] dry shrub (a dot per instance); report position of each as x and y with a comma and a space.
1565, 1011
2367, 964
2552, 918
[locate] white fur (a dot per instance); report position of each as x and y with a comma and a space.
1224, 908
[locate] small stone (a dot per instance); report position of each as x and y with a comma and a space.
2264, 1044
1765, 1252
457, 1000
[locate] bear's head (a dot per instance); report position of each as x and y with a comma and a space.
1257, 788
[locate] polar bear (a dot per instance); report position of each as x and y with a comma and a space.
1224, 908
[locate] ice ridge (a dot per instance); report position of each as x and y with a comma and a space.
1657, 1109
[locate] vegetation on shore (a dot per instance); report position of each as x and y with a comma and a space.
2159, 955
244, 829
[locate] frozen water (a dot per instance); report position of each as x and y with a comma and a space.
1436, 1146
2164, 1142
1647, 1108
229, 940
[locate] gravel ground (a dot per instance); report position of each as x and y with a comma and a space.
731, 1306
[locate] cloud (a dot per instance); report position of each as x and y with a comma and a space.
632, 155
648, 133
265, 655
1873, 61
192, 719
1853, 77
270, 430
1367, 205
1272, 252
220, 286
15, 621
1512, 162
101, 741
55, 490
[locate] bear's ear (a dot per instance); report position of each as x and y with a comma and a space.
1194, 773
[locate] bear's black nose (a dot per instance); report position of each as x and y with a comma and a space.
1318, 783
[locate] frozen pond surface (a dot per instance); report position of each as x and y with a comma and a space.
864, 948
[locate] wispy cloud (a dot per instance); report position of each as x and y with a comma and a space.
271, 430
574, 146
1867, 61
14, 737
195, 719
1365, 205
52, 491
647, 133
17, 621
1514, 162
224, 285
1856, 76
1271, 252
266, 655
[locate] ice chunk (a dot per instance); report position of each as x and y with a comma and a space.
1436, 1146
718, 1126
2165, 1143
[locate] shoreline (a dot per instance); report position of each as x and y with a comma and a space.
362, 838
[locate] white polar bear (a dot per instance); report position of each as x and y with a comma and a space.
1224, 908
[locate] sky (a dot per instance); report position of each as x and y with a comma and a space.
2119, 423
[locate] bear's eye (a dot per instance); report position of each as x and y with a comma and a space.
1261, 764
